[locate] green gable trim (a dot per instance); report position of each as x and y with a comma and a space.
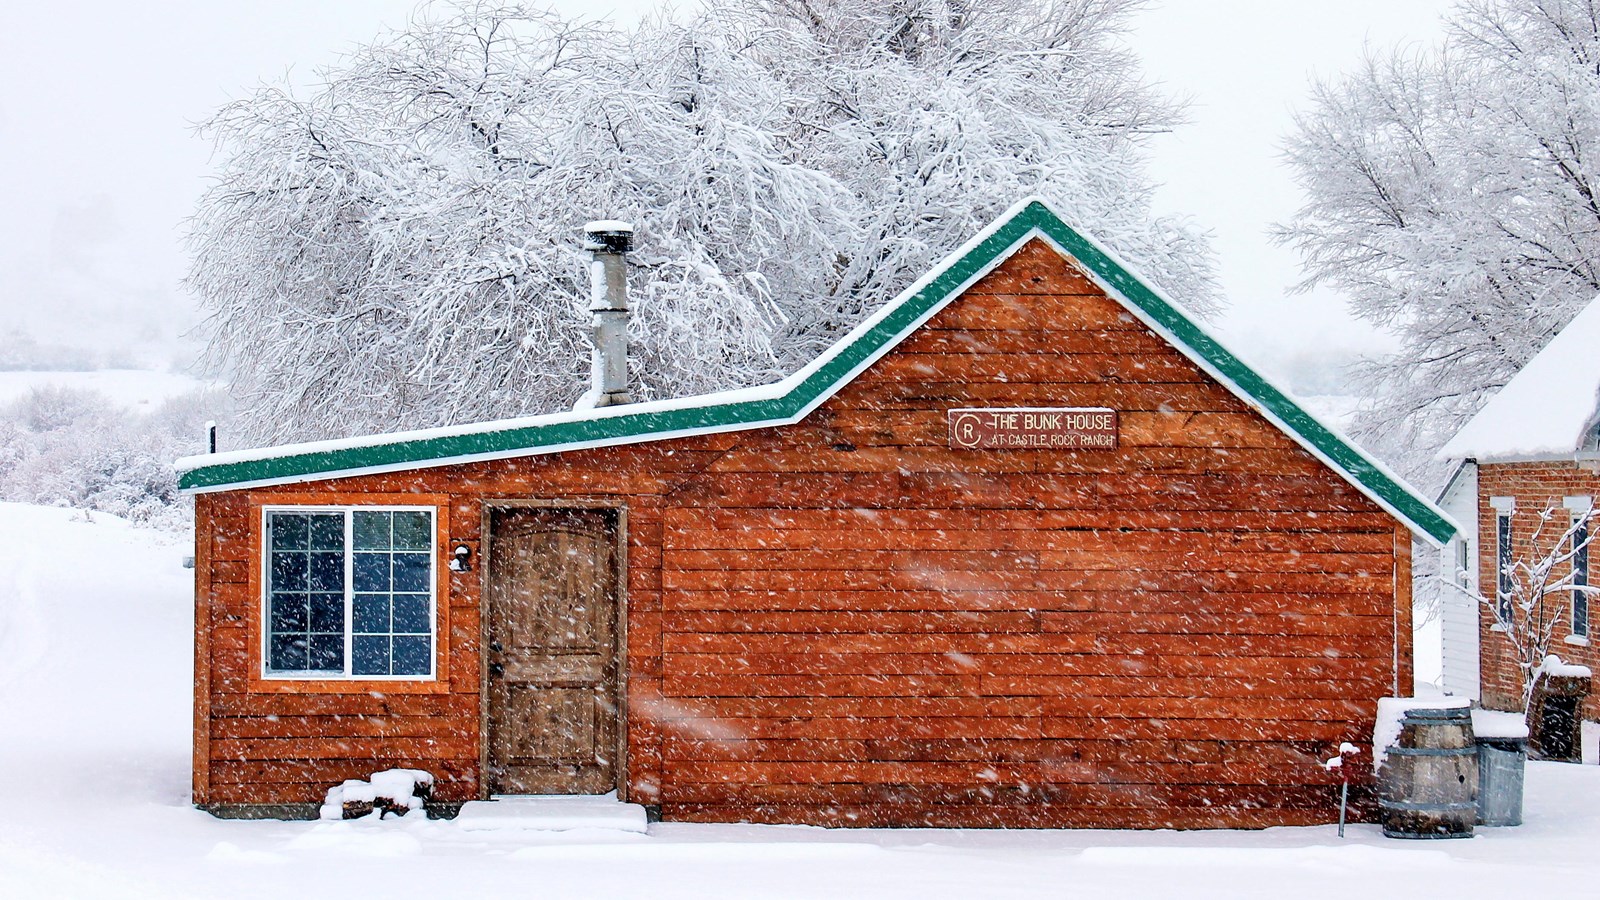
1388, 489
821, 380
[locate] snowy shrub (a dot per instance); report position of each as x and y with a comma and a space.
400, 249
66, 447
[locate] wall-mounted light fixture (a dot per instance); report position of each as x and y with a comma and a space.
461, 560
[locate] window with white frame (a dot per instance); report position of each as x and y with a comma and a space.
349, 593
1580, 510
1502, 559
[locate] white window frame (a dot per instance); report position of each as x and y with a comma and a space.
1461, 562
1579, 507
1504, 552
264, 601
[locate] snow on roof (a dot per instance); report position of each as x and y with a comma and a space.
792, 399
1546, 409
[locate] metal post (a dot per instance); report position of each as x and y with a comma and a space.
1344, 800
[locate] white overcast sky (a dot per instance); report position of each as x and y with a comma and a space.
99, 164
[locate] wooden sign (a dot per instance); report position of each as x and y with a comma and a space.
1033, 429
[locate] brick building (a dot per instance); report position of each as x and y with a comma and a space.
1530, 451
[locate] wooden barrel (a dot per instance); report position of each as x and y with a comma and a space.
1428, 784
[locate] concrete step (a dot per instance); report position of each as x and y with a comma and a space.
524, 812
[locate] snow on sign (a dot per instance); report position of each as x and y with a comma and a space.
1033, 429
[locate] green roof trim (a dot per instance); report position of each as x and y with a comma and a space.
791, 399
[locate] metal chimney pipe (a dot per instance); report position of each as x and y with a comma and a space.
608, 301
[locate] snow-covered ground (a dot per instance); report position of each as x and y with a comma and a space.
94, 768
141, 390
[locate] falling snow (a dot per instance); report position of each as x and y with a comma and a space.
97, 757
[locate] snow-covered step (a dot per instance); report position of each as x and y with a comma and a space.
552, 813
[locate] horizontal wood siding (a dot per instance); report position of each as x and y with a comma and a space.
846, 622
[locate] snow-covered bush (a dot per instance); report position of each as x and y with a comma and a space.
67, 447
400, 249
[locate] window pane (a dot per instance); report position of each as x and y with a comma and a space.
411, 572
385, 600
411, 614
371, 615
1580, 579
371, 654
1503, 562
372, 530
287, 653
371, 572
327, 531
288, 613
305, 631
327, 572
327, 613
327, 653
288, 572
288, 531
413, 531
411, 655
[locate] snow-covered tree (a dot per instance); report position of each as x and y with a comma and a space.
1453, 197
400, 248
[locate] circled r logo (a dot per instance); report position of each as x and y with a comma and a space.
964, 430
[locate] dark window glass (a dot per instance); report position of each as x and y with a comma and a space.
327, 653
289, 613
372, 572
371, 654
327, 572
411, 614
327, 613
411, 572
327, 531
1503, 563
288, 653
1580, 579
411, 655
371, 614
289, 571
372, 530
413, 531
289, 531
310, 602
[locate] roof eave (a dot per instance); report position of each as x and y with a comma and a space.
790, 400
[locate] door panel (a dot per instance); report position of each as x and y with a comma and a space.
552, 654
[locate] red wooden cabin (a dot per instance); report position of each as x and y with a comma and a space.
875, 593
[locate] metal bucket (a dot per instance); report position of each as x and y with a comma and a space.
1500, 768
1428, 784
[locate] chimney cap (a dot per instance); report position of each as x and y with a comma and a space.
608, 236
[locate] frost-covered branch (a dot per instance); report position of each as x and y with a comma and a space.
1451, 194
1533, 589
399, 249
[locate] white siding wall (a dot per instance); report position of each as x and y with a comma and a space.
1458, 613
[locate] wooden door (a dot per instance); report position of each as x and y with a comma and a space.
552, 652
